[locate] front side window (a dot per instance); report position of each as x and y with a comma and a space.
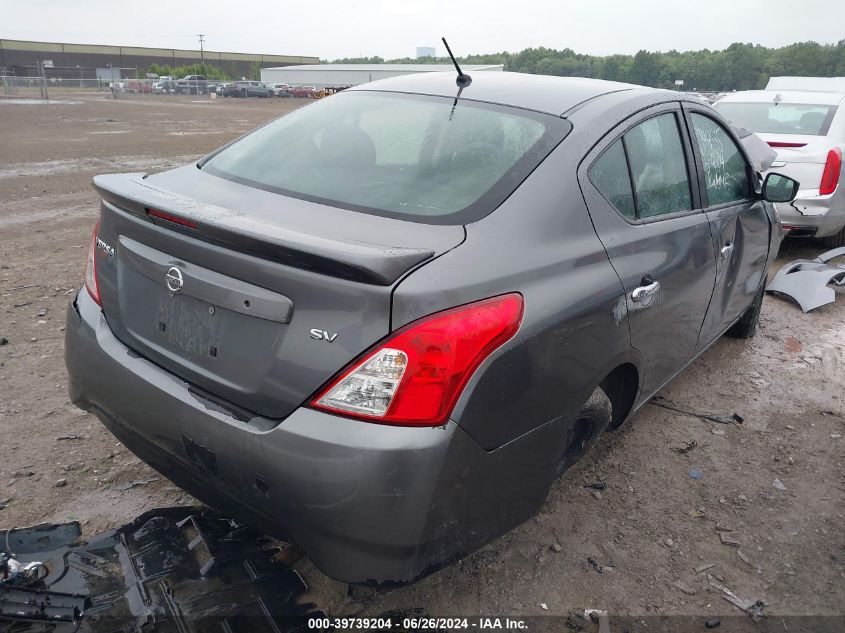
725, 169
421, 158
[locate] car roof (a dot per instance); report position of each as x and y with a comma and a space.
543, 93
786, 96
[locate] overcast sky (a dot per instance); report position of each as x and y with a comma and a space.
331, 29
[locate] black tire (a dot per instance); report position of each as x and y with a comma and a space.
834, 241
595, 416
747, 325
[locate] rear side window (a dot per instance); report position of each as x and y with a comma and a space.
427, 159
725, 169
610, 176
780, 117
644, 174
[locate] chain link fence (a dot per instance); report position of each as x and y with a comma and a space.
35, 87
55, 87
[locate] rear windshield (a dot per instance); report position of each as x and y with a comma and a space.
779, 118
420, 158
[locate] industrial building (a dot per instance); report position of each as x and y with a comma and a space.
341, 75
22, 58
425, 51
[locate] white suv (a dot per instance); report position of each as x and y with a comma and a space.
803, 120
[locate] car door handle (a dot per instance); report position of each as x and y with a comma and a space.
727, 249
642, 293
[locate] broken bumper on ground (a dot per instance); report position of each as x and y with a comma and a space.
809, 282
368, 503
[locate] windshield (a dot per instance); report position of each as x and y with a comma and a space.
413, 157
779, 118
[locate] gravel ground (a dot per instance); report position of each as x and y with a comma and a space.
775, 482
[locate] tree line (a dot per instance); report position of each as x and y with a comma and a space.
738, 67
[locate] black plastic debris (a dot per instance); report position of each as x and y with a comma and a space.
171, 570
29, 609
665, 403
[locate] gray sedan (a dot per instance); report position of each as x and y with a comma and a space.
247, 89
384, 324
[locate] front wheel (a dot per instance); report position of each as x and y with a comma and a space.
594, 417
747, 325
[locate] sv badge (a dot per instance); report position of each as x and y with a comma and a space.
322, 335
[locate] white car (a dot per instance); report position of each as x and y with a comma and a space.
803, 120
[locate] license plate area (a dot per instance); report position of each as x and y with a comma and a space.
189, 325
220, 333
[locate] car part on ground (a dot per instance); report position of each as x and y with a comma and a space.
809, 281
173, 569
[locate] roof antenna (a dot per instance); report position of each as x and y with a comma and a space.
463, 79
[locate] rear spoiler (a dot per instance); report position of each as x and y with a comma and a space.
346, 259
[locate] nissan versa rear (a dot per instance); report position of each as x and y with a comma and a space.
382, 325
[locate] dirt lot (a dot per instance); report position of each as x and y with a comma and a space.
632, 548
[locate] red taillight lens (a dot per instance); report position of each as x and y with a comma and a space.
785, 144
414, 377
169, 217
832, 169
91, 283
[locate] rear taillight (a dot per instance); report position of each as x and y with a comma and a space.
91, 283
785, 144
832, 169
169, 217
414, 377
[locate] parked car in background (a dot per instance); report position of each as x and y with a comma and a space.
303, 91
165, 86
281, 90
192, 84
136, 85
806, 127
330, 342
248, 89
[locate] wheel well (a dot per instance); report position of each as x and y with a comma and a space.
621, 386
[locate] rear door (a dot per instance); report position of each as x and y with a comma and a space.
645, 207
739, 224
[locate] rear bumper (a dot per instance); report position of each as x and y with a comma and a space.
822, 215
367, 503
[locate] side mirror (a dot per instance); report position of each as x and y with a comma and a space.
779, 188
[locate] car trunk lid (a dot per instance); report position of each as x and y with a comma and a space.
799, 156
254, 298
